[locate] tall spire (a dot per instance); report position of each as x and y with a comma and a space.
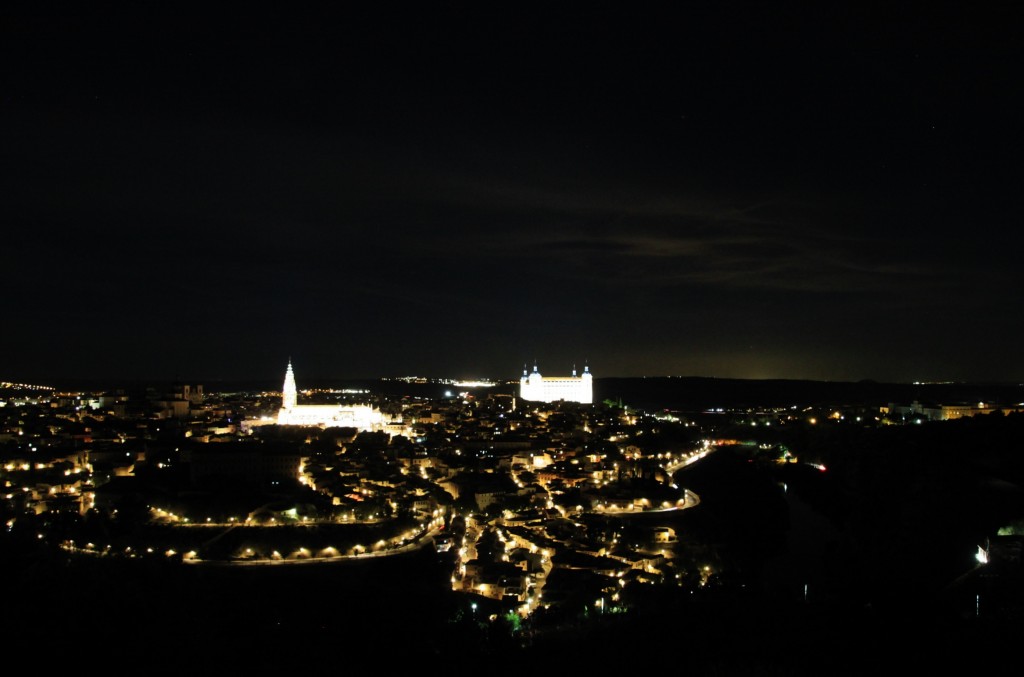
289, 395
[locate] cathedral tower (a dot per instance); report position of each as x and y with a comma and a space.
289, 396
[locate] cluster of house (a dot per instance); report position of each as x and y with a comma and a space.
528, 472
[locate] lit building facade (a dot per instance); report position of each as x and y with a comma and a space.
363, 417
948, 412
536, 388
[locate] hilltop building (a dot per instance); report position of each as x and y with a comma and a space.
946, 412
536, 388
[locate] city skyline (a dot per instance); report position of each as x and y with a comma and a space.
719, 189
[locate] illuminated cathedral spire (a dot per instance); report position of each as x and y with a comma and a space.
362, 417
289, 396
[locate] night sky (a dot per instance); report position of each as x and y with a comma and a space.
731, 189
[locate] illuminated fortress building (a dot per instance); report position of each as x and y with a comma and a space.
537, 388
360, 416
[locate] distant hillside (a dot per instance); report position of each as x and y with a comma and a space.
656, 393
697, 393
